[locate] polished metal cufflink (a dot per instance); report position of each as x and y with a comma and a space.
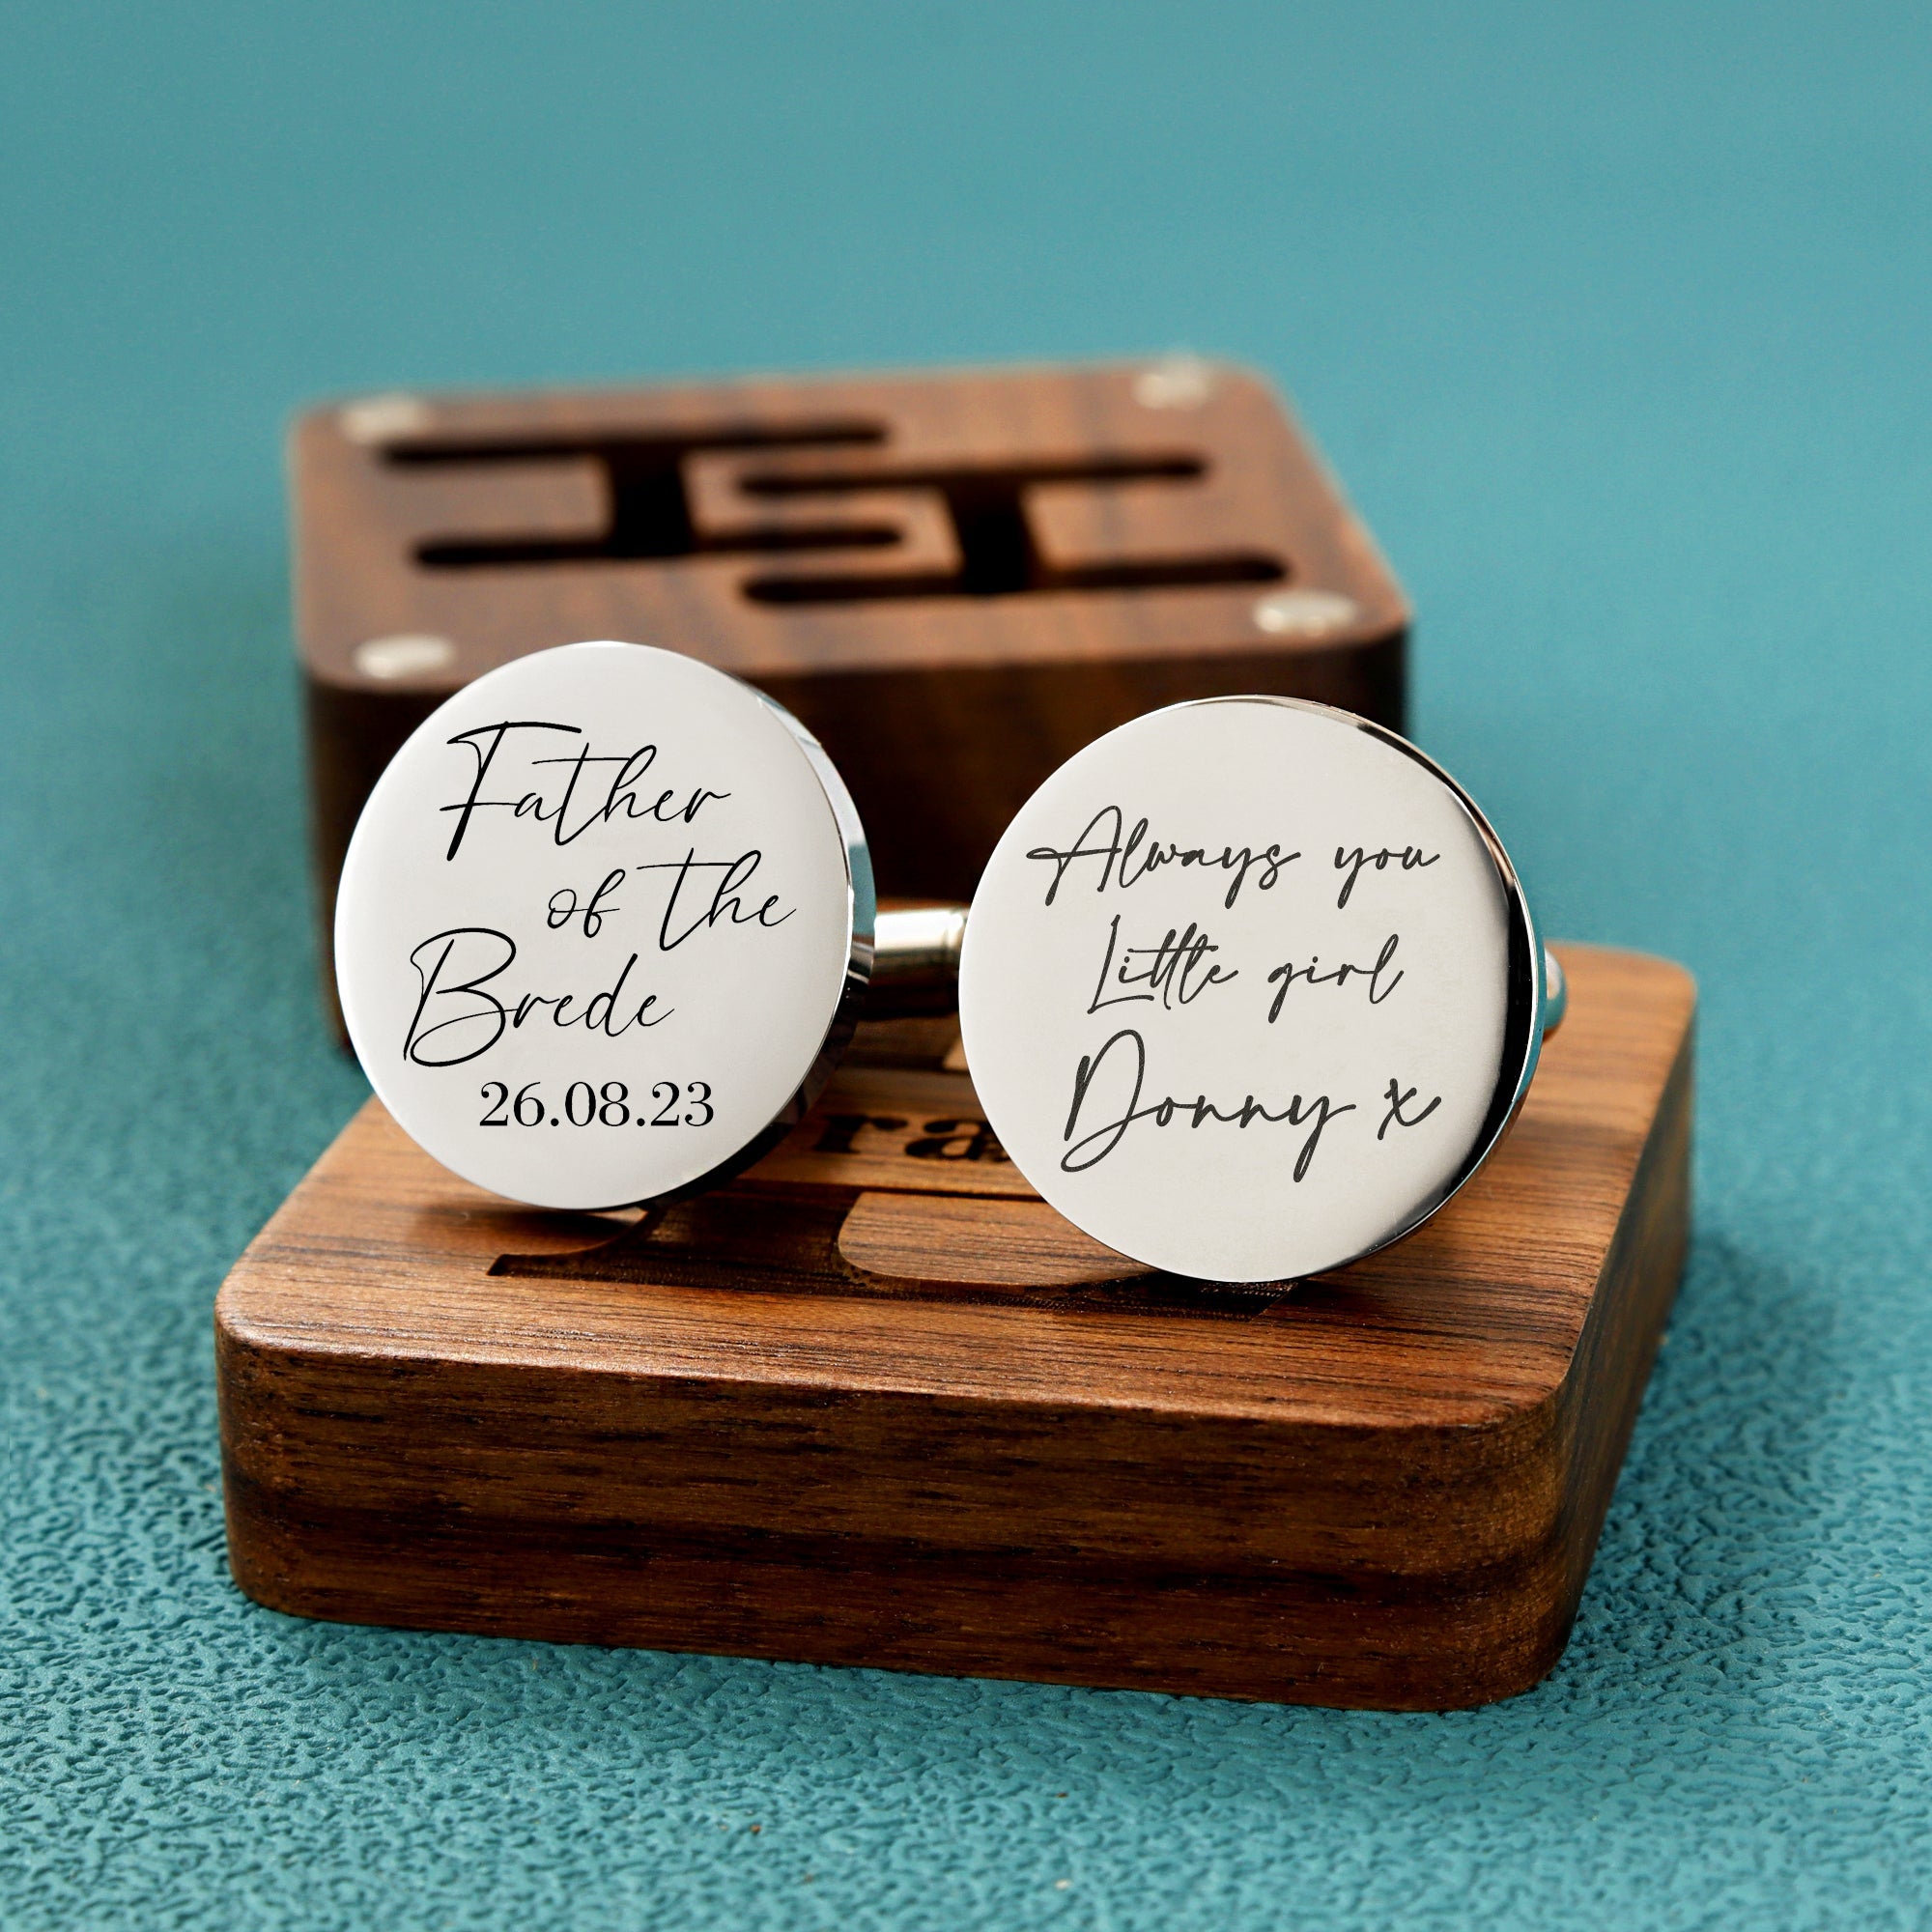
1249, 987
606, 925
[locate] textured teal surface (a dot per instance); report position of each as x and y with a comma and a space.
1614, 320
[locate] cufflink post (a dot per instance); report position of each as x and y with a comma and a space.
915, 962
1555, 993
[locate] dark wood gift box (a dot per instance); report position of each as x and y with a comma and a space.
955, 581
876, 1403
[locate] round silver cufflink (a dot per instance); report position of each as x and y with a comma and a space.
606, 925
1250, 988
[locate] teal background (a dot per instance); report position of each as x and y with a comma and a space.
1614, 320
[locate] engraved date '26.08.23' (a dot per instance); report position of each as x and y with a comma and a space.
584, 1106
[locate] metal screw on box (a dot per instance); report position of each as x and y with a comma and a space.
380, 420
1178, 381
1304, 614
388, 659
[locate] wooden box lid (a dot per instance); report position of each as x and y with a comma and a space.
779, 527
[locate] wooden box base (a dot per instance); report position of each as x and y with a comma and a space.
876, 1403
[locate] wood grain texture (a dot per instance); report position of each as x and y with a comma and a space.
955, 581
876, 1403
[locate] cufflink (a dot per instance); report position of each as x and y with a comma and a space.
606, 925
1250, 988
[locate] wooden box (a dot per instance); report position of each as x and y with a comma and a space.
955, 581
877, 1404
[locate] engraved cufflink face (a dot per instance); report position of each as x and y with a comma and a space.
1250, 988
602, 927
